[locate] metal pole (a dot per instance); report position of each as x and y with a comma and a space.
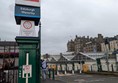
116, 61
39, 50
27, 63
106, 44
80, 66
53, 74
107, 57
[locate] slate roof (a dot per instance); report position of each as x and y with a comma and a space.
55, 57
68, 57
82, 57
94, 56
78, 57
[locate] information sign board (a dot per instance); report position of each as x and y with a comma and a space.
27, 28
24, 11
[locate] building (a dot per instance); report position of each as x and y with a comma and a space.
111, 46
70, 46
74, 62
8, 53
85, 44
8, 46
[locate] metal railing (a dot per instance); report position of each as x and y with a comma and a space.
9, 75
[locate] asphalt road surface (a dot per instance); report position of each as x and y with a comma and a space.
88, 79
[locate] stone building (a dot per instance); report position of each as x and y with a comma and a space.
8, 47
85, 44
111, 46
71, 46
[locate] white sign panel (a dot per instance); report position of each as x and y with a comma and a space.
27, 69
27, 28
29, 2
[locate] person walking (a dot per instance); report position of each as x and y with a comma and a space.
44, 69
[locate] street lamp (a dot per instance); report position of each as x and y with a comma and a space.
106, 45
39, 49
116, 61
116, 56
39, 36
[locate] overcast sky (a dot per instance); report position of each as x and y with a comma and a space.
63, 19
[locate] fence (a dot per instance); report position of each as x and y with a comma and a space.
9, 75
9, 69
112, 67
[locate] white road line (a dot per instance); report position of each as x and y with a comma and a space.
88, 81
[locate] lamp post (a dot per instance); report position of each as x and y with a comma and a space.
106, 45
116, 61
116, 56
39, 49
39, 36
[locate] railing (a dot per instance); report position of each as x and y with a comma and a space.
9, 75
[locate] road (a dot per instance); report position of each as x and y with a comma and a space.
87, 79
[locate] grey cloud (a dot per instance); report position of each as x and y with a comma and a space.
63, 19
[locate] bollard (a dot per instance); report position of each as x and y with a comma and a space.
91, 68
49, 73
73, 72
57, 72
112, 67
80, 71
65, 72
53, 74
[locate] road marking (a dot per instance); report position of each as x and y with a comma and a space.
88, 81
79, 80
98, 80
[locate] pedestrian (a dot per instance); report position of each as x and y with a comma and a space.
44, 69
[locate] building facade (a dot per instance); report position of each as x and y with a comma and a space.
8, 53
111, 46
8, 46
85, 44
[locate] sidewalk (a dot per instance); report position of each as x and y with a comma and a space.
51, 81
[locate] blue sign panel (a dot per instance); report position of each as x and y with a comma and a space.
26, 11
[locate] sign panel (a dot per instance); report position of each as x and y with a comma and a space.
27, 28
24, 11
28, 2
27, 69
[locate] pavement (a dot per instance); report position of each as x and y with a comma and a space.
90, 77
86, 78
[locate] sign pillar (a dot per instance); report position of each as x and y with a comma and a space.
27, 15
28, 60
